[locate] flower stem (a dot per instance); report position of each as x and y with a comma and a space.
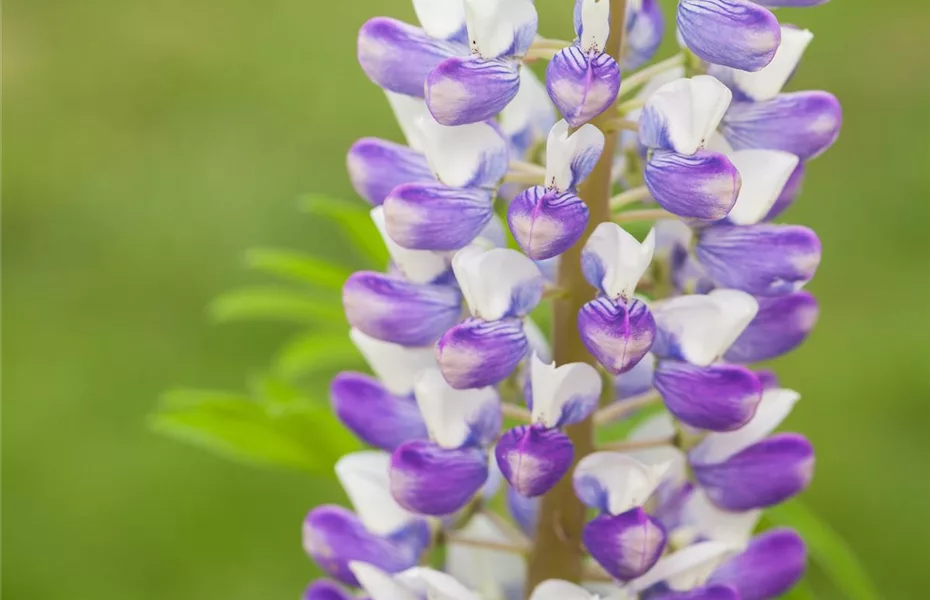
631, 82
525, 177
455, 538
557, 551
515, 411
630, 445
621, 124
618, 410
628, 197
648, 214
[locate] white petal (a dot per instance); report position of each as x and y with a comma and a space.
653, 85
564, 152
431, 584
554, 387
774, 408
622, 256
538, 342
689, 111
378, 584
364, 476
556, 589
712, 523
595, 23
658, 427
718, 143
456, 154
764, 174
530, 108
488, 278
448, 412
767, 83
440, 18
671, 234
493, 234
419, 266
407, 110
493, 24
491, 573
685, 568
629, 483
396, 366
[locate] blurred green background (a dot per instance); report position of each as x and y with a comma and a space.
148, 143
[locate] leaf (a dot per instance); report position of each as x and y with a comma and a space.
355, 221
801, 591
279, 395
827, 549
317, 351
299, 267
280, 304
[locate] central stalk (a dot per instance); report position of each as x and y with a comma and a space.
557, 552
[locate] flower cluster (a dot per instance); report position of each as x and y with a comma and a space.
707, 146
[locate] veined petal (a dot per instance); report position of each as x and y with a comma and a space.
613, 483
430, 480
546, 223
570, 157
582, 85
500, 28
789, 3
767, 82
471, 89
398, 56
618, 335
625, 545
613, 261
479, 353
533, 458
529, 116
473, 155
682, 114
396, 366
769, 567
774, 408
441, 19
525, 511
644, 28
709, 522
419, 266
764, 260
637, 380
497, 283
364, 477
788, 193
563, 395
802, 123
378, 166
716, 398
432, 216
323, 589
764, 175
703, 186
686, 568
457, 417
356, 398
782, 324
762, 475
699, 328
496, 573
556, 589
733, 33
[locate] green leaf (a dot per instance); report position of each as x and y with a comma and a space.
299, 267
355, 221
280, 304
314, 352
827, 549
279, 395
801, 591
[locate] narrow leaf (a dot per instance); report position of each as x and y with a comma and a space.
801, 591
299, 267
355, 221
315, 352
279, 304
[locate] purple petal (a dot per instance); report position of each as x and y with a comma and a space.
546, 223
626, 545
533, 458
802, 123
430, 480
788, 193
637, 380
470, 89
789, 3
780, 326
762, 475
393, 309
703, 186
764, 260
399, 57
323, 589
768, 378
375, 415
525, 511
378, 166
716, 398
733, 33
333, 536
432, 216
711, 592
769, 567
479, 353
618, 335
581, 85
644, 27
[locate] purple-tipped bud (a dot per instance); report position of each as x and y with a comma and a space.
479, 353
378, 166
788, 193
398, 57
644, 27
582, 84
626, 545
762, 475
782, 323
716, 398
763, 260
802, 123
619, 334
395, 310
356, 397
525, 511
323, 589
733, 33
770, 566
545, 223
702, 186
534, 458
463, 90
432, 216
430, 480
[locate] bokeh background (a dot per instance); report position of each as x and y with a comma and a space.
148, 143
